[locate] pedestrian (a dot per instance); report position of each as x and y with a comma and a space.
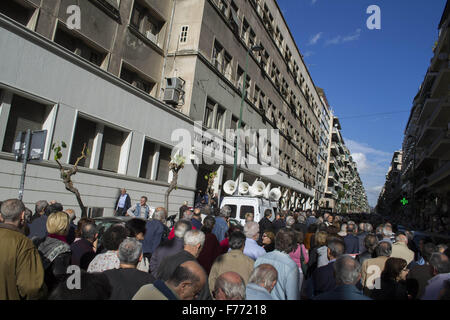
288, 275
123, 203
211, 249
80, 225
170, 247
229, 286
393, 281
156, 231
140, 210
372, 268
83, 250
268, 241
261, 283
370, 243
252, 249
185, 283
419, 275
347, 272
21, 271
249, 216
37, 226
221, 224
279, 222
400, 249
197, 219
127, 279
92, 286
265, 224
54, 250
234, 260
187, 216
111, 240
440, 263
137, 228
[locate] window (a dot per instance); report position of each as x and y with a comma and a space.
222, 60
233, 208
146, 22
184, 33
209, 113
85, 132
80, 47
111, 147
163, 165
240, 81
220, 119
227, 68
147, 160
234, 122
17, 12
245, 210
136, 80
223, 6
24, 114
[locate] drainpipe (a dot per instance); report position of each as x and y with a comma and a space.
167, 51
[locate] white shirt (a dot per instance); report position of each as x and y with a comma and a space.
121, 202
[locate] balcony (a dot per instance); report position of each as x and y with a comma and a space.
441, 114
440, 176
440, 86
428, 107
441, 146
334, 149
427, 135
442, 48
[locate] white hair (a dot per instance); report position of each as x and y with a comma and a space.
290, 221
194, 237
251, 229
129, 251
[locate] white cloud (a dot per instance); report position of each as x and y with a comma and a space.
313, 1
372, 166
341, 39
315, 38
308, 54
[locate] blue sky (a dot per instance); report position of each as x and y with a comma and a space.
366, 72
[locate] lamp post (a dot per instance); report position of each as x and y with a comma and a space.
253, 49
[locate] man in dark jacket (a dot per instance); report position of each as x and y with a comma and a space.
323, 279
351, 241
123, 203
279, 222
156, 232
127, 280
38, 221
83, 250
21, 271
347, 273
265, 224
193, 244
170, 247
418, 276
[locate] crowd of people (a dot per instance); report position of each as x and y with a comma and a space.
299, 255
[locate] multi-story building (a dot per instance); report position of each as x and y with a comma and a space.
135, 72
391, 193
425, 166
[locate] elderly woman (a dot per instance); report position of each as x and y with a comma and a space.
54, 249
211, 249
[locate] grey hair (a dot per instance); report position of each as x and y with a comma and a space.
264, 274
440, 262
181, 227
344, 227
290, 221
384, 249
225, 212
160, 215
194, 237
251, 229
187, 214
88, 231
368, 227
231, 290
346, 270
301, 219
401, 238
12, 209
40, 206
130, 251
387, 231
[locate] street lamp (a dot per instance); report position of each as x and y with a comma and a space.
253, 49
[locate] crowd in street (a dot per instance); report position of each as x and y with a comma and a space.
298, 255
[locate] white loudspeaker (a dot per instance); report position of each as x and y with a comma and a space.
230, 186
275, 194
244, 188
267, 191
257, 188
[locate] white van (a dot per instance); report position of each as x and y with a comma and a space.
241, 205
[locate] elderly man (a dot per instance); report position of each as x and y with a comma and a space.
229, 286
234, 260
197, 219
372, 268
347, 272
252, 249
123, 202
127, 280
37, 226
155, 232
351, 241
21, 271
170, 247
83, 250
287, 287
261, 283
140, 210
187, 216
441, 264
221, 225
185, 283
400, 249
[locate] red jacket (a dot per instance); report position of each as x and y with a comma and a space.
172, 232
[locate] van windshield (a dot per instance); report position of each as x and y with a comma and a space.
246, 209
233, 208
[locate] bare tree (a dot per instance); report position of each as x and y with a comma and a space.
66, 174
210, 190
175, 165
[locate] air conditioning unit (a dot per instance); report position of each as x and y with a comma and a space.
174, 83
152, 37
172, 96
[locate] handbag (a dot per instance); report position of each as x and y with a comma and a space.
302, 262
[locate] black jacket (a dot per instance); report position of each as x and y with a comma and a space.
127, 202
126, 282
390, 290
56, 257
